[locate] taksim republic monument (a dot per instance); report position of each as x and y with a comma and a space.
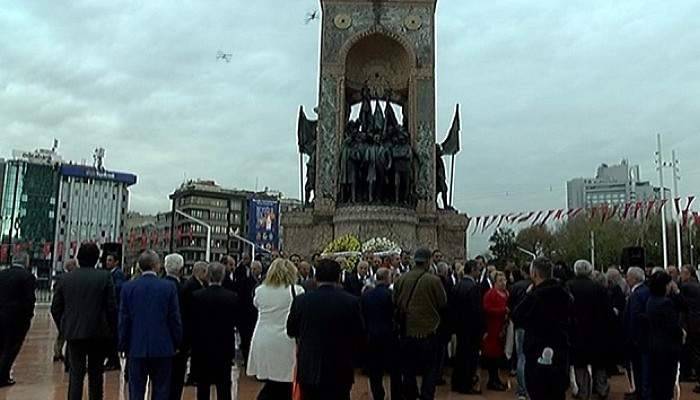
374, 168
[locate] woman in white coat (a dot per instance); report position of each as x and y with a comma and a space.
272, 352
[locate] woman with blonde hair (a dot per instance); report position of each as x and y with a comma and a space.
272, 352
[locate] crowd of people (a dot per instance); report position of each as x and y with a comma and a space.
304, 327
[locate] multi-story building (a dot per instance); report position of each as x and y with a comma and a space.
49, 207
225, 210
143, 232
614, 185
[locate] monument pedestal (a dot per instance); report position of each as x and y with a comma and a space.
307, 232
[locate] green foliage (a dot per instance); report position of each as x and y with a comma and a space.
503, 246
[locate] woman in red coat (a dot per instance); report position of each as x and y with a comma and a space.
496, 314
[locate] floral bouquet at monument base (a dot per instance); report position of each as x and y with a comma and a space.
347, 246
381, 246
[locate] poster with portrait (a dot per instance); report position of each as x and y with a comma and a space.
264, 223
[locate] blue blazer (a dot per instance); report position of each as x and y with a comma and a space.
636, 322
149, 318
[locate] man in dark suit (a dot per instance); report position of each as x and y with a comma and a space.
173, 271
591, 327
230, 264
213, 333
355, 280
198, 280
244, 286
636, 330
382, 347
85, 310
466, 315
150, 329
690, 292
68, 266
16, 311
328, 326
545, 314
111, 264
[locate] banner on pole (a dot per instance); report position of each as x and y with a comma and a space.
264, 223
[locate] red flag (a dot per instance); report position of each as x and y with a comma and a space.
650, 207
573, 212
500, 220
526, 217
190, 231
537, 217
59, 250
696, 218
144, 241
558, 215
626, 211
637, 207
154, 238
676, 203
476, 225
685, 218
73, 248
690, 202
179, 233
662, 203
594, 211
546, 217
3, 252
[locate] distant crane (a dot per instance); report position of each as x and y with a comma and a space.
220, 55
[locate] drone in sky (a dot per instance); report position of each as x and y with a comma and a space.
311, 16
220, 55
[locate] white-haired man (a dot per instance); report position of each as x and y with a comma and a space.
593, 317
173, 264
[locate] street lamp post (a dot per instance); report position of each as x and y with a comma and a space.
207, 254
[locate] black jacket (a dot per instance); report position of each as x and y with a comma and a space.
188, 289
213, 328
17, 296
378, 312
517, 293
85, 305
353, 284
545, 315
328, 326
465, 309
592, 321
665, 333
690, 291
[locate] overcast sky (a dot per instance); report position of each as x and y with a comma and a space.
549, 90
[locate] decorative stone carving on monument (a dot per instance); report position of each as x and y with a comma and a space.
374, 176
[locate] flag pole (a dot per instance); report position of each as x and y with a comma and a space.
452, 182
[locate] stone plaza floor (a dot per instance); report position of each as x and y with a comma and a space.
38, 378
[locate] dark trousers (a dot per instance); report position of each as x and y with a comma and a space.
546, 382
421, 357
383, 356
465, 363
640, 370
177, 380
692, 349
10, 344
272, 390
662, 373
86, 356
492, 365
245, 329
326, 392
223, 391
157, 369
112, 355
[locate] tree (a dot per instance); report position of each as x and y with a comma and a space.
537, 239
503, 246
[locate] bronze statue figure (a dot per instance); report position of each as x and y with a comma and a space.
441, 177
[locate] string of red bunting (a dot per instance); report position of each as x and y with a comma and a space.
628, 211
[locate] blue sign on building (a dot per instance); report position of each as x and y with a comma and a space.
264, 223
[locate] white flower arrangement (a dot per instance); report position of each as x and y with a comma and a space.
381, 245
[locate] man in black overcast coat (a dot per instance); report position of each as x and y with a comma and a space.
16, 311
85, 310
328, 326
